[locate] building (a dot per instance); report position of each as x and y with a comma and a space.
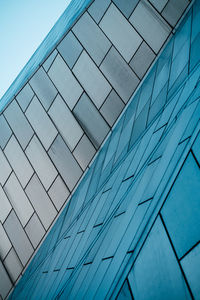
95, 208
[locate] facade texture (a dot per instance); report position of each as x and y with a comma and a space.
129, 221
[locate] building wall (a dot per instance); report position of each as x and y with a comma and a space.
131, 228
57, 122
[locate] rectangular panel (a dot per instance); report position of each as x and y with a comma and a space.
65, 162
5, 169
41, 123
181, 204
159, 4
98, 8
18, 238
119, 74
70, 49
43, 87
5, 283
112, 108
58, 193
120, 32
13, 265
173, 10
127, 6
179, 63
92, 38
25, 96
84, 152
150, 25
35, 230
41, 162
48, 62
18, 123
91, 79
196, 147
5, 132
5, 206
5, 244
41, 201
142, 60
67, 125
93, 123
64, 80
18, 199
191, 267
157, 258
18, 161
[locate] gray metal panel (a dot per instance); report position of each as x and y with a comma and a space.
18, 238
58, 193
5, 169
5, 205
35, 230
5, 132
41, 162
18, 123
43, 87
142, 60
91, 79
41, 123
127, 6
66, 83
159, 4
5, 283
173, 10
65, 162
5, 245
48, 62
98, 8
84, 152
18, 199
150, 25
13, 265
119, 74
120, 32
91, 120
66, 124
112, 108
92, 38
41, 201
70, 49
24, 97
18, 161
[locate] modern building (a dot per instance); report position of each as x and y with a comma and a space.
100, 158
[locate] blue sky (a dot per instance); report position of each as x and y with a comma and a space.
23, 26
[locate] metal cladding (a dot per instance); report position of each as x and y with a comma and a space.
98, 201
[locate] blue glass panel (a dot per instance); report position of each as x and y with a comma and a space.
156, 274
181, 210
125, 292
195, 50
195, 20
196, 148
191, 268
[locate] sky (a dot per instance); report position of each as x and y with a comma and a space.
23, 26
